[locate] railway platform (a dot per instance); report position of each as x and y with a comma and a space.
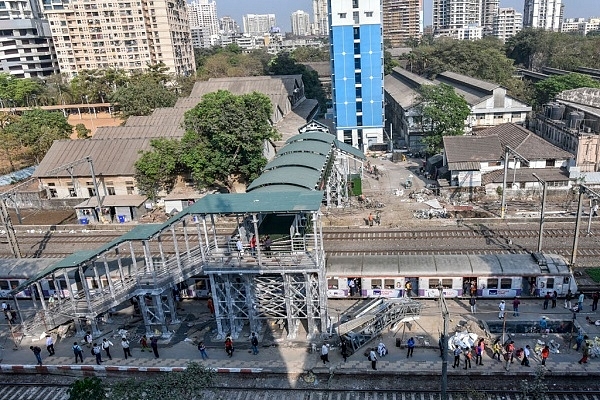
279, 355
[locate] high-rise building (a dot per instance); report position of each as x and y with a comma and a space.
321, 24
580, 25
26, 48
544, 14
507, 23
300, 23
464, 18
402, 20
204, 24
258, 24
228, 25
100, 34
356, 37
489, 10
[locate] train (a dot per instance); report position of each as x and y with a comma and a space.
424, 276
366, 276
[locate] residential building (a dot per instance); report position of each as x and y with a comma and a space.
402, 20
543, 14
580, 25
356, 40
572, 122
96, 34
451, 15
204, 24
320, 18
489, 104
227, 25
258, 24
489, 11
507, 23
300, 23
26, 48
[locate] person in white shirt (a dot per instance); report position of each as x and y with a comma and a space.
87, 339
325, 353
126, 349
381, 349
373, 359
106, 346
501, 307
50, 345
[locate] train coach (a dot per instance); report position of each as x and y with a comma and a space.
487, 276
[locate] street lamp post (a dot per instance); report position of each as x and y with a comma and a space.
542, 213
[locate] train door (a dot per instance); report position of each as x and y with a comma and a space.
469, 286
411, 286
354, 286
546, 284
527, 286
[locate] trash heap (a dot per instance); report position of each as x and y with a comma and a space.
462, 340
539, 345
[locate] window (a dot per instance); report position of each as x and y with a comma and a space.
91, 192
4, 285
89, 183
492, 283
356, 32
505, 283
72, 192
388, 283
447, 283
357, 64
356, 48
434, 283
356, 18
359, 93
348, 137
354, 3
369, 14
129, 189
359, 120
359, 106
357, 77
342, 15
375, 283
111, 191
550, 163
332, 284
550, 283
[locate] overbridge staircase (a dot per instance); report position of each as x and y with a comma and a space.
375, 317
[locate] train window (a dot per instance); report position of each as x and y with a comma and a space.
492, 283
332, 283
4, 285
566, 280
434, 283
505, 283
14, 284
200, 284
447, 283
375, 283
550, 283
94, 284
389, 283
51, 284
63, 284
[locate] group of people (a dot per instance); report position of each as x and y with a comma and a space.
229, 349
9, 314
265, 242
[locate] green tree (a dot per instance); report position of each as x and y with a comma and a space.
443, 113
156, 170
9, 143
547, 89
142, 96
187, 384
388, 63
310, 54
89, 388
82, 131
225, 136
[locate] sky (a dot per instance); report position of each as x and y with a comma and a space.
283, 9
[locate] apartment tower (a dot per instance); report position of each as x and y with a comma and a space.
126, 35
507, 23
204, 24
26, 48
258, 24
300, 23
321, 19
402, 20
544, 14
464, 19
356, 38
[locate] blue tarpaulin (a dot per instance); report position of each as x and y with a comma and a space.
16, 176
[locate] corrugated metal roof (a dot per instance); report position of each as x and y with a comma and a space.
309, 160
312, 135
133, 200
464, 166
155, 121
306, 146
346, 148
472, 148
278, 188
304, 177
465, 80
525, 175
115, 157
257, 202
132, 132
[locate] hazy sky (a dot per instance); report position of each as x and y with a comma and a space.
284, 8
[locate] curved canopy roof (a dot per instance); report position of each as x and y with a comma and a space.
309, 160
306, 146
312, 135
303, 177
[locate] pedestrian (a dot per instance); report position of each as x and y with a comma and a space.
78, 352
516, 303
211, 306
580, 302
526, 353
370, 219
468, 357
595, 210
533, 289
410, 345
510, 352
501, 307
586, 351
473, 304
544, 330
37, 352
97, 352
479, 351
254, 343
87, 339
106, 346
457, 352
202, 350
497, 350
50, 345
595, 298
268, 242
325, 353
239, 246
554, 297
546, 300
352, 287
568, 298
126, 348
372, 358
154, 345
579, 341
144, 343
545, 354
344, 350
229, 346
408, 287
253, 245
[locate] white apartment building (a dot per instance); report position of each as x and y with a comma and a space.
300, 23
489, 11
26, 48
204, 24
544, 14
227, 25
258, 24
580, 25
321, 19
507, 23
121, 34
461, 19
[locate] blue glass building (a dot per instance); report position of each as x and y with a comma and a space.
356, 37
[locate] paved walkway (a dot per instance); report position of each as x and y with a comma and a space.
279, 355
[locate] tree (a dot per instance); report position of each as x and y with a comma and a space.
310, 54
225, 136
443, 113
156, 170
547, 89
82, 131
9, 143
88, 388
388, 63
187, 384
143, 96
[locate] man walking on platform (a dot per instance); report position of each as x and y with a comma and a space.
78, 352
106, 346
37, 352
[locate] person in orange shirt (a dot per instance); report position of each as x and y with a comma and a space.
545, 354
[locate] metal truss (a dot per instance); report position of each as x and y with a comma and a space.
337, 187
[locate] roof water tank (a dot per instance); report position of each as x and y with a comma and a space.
548, 110
574, 119
558, 111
